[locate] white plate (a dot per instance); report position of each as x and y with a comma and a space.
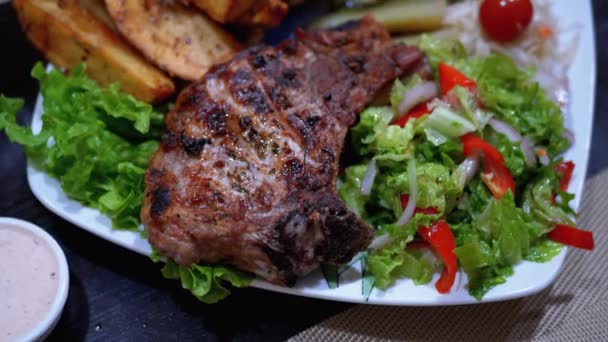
529, 278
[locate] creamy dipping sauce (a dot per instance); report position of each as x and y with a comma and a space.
29, 281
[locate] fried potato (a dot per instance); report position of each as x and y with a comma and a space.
224, 11
265, 13
98, 9
68, 34
179, 39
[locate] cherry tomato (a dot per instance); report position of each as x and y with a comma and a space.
505, 20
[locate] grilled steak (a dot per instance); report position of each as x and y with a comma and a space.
246, 172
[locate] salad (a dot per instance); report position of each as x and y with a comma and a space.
466, 165
459, 170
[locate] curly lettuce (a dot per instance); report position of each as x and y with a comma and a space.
96, 141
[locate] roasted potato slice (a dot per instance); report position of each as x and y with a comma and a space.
264, 13
179, 39
224, 11
68, 34
98, 9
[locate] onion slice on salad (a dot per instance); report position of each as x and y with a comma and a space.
527, 148
408, 212
418, 94
368, 178
380, 241
469, 167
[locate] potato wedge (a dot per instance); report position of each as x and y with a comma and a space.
224, 11
179, 39
68, 34
265, 13
98, 9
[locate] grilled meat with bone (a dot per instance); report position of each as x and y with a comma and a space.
247, 168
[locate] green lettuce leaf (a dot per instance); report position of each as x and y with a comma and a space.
96, 141
538, 200
444, 124
399, 89
543, 250
497, 238
208, 283
393, 261
349, 189
374, 135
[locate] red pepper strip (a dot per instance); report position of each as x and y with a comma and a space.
440, 237
472, 144
449, 77
566, 169
572, 236
497, 178
416, 112
495, 174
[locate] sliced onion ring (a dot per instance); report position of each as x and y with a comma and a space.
408, 212
470, 166
381, 241
419, 94
527, 148
368, 178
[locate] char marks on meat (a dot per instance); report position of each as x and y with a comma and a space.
247, 168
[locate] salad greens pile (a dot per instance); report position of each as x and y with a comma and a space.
491, 233
97, 141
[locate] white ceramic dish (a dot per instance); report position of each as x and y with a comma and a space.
43, 328
529, 278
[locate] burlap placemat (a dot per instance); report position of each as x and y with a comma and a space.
574, 308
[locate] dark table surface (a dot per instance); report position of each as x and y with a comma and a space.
118, 295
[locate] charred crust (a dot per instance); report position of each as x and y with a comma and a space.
303, 128
283, 264
217, 121
279, 98
244, 123
160, 201
312, 120
258, 61
245, 91
193, 146
169, 139
292, 169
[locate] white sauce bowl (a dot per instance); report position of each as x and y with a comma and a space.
45, 326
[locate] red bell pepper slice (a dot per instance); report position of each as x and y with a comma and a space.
495, 175
497, 178
472, 144
450, 77
565, 169
572, 236
416, 112
440, 237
